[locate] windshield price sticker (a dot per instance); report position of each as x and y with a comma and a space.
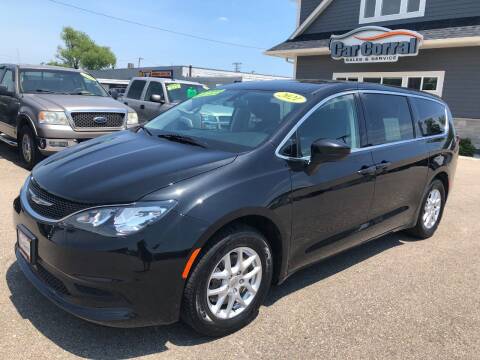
290, 97
210, 93
89, 77
171, 87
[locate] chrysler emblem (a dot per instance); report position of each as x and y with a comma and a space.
37, 200
100, 120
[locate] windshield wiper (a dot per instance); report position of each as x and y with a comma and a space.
48, 91
83, 92
182, 139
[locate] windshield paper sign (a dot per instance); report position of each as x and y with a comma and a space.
373, 44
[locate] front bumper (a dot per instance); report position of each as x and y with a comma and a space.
121, 282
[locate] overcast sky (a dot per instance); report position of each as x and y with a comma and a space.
34, 27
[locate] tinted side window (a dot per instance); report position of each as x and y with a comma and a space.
135, 91
337, 119
388, 118
430, 115
154, 88
8, 80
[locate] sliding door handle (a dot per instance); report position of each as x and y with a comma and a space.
367, 171
383, 166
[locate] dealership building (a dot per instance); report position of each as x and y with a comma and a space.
429, 45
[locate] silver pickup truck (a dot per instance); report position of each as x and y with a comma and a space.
44, 109
150, 96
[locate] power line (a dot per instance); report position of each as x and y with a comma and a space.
154, 27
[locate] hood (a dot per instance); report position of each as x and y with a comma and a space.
59, 102
123, 167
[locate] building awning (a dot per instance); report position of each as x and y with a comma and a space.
461, 36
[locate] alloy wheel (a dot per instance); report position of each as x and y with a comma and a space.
234, 283
27, 148
432, 209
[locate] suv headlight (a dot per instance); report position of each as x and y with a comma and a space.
52, 118
132, 118
120, 220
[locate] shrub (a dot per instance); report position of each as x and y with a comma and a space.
467, 148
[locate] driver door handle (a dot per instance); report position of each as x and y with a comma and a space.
142, 106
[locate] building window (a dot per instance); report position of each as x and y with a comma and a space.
387, 10
428, 81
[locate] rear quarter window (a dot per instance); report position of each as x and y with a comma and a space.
388, 118
136, 89
430, 116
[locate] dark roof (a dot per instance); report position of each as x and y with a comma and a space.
431, 34
297, 86
307, 87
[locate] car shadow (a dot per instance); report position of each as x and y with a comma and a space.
88, 340
10, 153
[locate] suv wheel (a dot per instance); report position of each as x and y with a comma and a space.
28, 148
431, 211
229, 283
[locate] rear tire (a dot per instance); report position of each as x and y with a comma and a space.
240, 293
27, 146
431, 211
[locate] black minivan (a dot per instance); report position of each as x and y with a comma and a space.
195, 214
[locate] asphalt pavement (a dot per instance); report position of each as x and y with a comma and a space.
393, 298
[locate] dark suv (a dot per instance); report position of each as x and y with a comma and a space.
186, 218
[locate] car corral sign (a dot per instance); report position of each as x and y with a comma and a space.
373, 44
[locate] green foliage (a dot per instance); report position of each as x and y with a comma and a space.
81, 51
467, 148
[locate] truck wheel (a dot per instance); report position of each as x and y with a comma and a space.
28, 147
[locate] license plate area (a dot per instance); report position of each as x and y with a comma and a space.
27, 243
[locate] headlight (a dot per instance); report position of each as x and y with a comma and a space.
52, 118
120, 220
132, 118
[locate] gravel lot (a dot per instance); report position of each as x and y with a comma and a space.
394, 298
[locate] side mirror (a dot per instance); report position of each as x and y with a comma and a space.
114, 94
4, 91
326, 150
157, 99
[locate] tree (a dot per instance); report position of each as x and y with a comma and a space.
81, 51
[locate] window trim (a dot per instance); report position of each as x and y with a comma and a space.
440, 75
404, 14
366, 148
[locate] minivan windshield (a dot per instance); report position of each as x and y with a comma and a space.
178, 92
231, 120
60, 82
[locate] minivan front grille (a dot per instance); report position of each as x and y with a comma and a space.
51, 281
51, 206
98, 120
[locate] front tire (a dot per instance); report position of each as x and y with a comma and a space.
28, 147
229, 283
431, 211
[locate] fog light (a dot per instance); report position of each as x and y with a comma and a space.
42, 143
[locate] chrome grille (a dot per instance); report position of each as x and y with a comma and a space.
96, 120
59, 209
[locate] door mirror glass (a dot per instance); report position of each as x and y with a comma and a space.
157, 99
327, 150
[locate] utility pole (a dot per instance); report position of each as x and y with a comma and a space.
237, 66
140, 61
